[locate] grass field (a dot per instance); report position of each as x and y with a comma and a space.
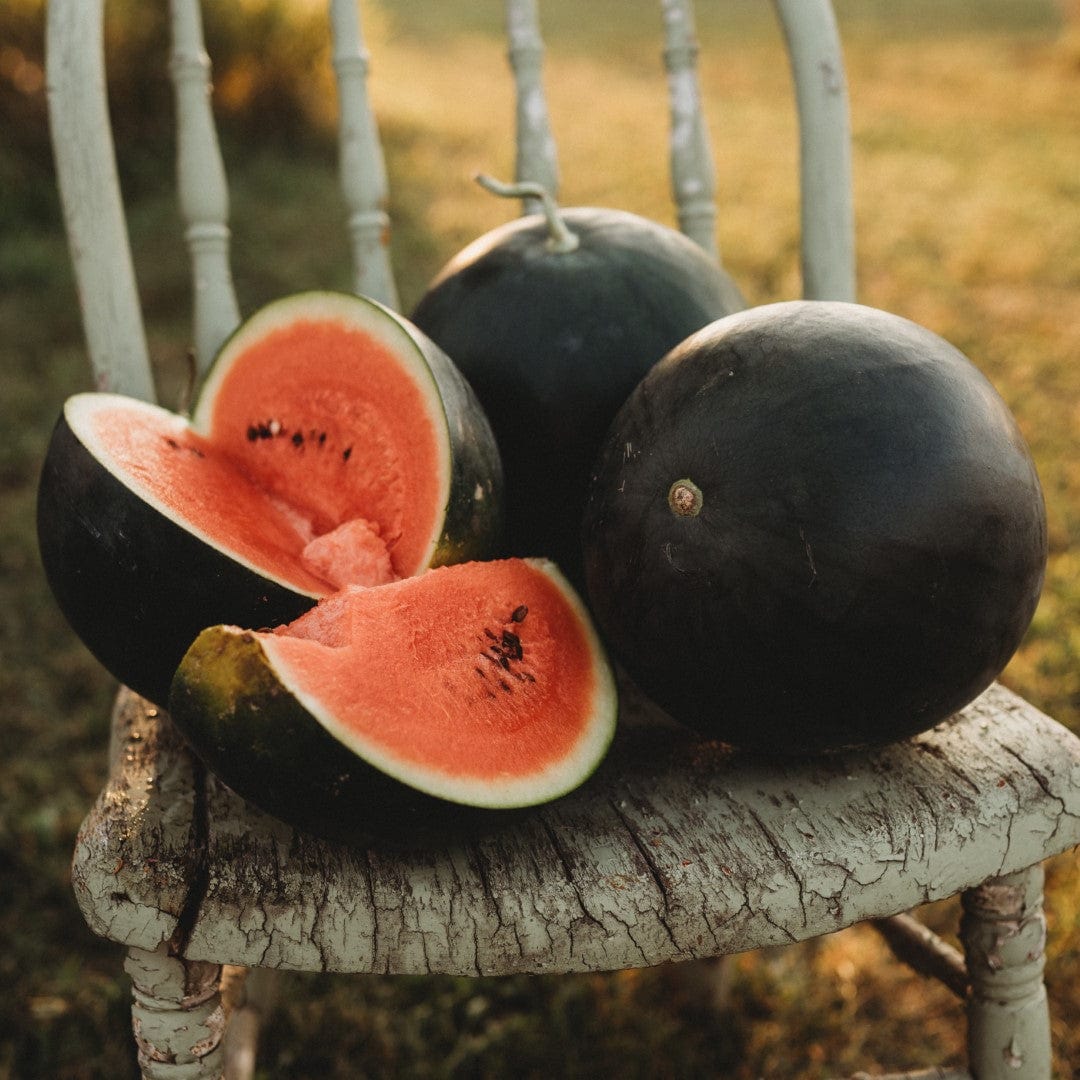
966, 125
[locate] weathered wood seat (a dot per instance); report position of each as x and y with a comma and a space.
677, 849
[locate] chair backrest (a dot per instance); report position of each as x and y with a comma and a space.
94, 215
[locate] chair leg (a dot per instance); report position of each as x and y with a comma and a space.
1004, 933
177, 1016
249, 997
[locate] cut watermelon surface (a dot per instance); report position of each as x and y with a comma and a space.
330, 413
331, 445
483, 684
186, 477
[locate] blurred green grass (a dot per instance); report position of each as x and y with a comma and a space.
966, 125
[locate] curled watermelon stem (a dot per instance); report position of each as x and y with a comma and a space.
685, 498
560, 238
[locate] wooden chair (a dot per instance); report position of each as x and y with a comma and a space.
674, 850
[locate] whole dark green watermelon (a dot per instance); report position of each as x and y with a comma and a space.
814, 525
553, 342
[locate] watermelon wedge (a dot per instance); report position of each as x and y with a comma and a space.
400, 711
331, 444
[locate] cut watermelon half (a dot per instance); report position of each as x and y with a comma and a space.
332, 444
481, 685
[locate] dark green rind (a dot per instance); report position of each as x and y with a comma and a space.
472, 525
257, 738
135, 586
871, 543
553, 343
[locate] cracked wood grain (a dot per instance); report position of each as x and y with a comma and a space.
676, 849
135, 857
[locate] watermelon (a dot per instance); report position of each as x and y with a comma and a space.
814, 525
408, 711
554, 318
331, 444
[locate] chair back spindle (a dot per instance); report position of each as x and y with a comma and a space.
693, 175
536, 156
201, 185
362, 166
828, 226
90, 195
813, 44
94, 214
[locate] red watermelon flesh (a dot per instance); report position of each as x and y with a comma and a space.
355, 441
482, 683
393, 668
339, 487
331, 444
190, 479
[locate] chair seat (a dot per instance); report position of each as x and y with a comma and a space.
677, 848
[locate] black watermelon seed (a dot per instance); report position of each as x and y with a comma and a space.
519, 613
512, 644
